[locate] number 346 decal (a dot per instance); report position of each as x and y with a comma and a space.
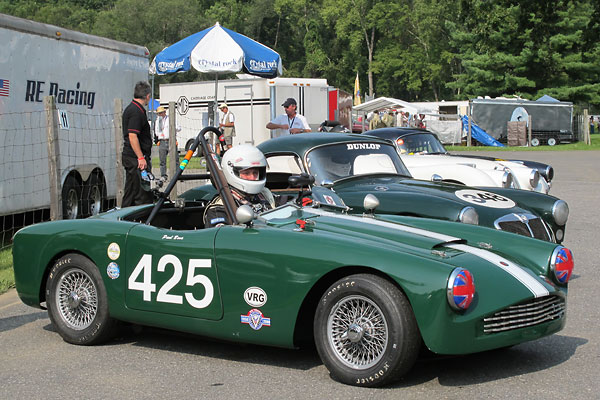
485, 199
194, 277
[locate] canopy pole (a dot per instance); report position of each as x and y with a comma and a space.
216, 105
152, 116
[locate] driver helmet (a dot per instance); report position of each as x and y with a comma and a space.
240, 158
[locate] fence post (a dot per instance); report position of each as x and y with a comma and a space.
174, 155
118, 126
586, 127
53, 159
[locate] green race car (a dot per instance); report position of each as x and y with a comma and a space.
370, 290
356, 165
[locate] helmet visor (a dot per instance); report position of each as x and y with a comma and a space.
251, 173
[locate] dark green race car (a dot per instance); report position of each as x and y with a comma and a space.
369, 290
356, 165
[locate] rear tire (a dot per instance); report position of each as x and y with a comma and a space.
552, 141
365, 331
535, 142
77, 301
71, 198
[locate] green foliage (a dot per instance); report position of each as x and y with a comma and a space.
409, 49
7, 276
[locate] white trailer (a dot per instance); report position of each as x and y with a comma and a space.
86, 74
253, 101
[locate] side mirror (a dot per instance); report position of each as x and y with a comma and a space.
370, 203
244, 214
436, 178
301, 180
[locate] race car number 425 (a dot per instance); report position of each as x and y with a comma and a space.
144, 268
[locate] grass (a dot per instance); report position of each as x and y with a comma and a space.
195, 162
562, 147
7, 276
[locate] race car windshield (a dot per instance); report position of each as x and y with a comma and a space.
423, 143
343, 160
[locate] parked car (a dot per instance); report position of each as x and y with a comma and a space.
426, 158
392, 284
356, 165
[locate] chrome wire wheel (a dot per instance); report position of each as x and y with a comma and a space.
77, 299
358, 332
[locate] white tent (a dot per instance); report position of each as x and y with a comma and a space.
382, 103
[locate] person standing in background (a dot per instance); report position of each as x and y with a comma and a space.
291, 122
227, 124
137, 146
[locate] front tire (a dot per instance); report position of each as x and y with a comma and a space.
77, 301
365, 331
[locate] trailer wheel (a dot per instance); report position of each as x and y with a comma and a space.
71, 198
94, 194
552, 141
535, 142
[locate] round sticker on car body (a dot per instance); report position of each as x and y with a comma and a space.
485, 199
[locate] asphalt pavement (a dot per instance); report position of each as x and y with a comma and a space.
151, 363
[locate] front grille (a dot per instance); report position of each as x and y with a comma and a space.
524, 224
532, 313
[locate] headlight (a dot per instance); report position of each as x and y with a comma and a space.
560, 212
561, 264
469, 215
507, 179
549, 173
534, 178
460, 289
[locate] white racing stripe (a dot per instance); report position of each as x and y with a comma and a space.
515, 270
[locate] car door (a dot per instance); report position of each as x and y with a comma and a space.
172, 272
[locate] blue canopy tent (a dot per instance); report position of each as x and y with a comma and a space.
218, 50
479, 134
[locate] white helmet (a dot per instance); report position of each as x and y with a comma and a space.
243, 157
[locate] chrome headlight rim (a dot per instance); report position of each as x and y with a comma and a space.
469, 215
560, 212
534, 178
507, 179
549, 173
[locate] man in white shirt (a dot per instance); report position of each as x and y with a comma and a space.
227, 124
291, 122
161, 130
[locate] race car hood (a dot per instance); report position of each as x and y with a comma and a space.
400, 195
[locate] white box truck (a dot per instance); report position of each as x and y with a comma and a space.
253, 101
86, 74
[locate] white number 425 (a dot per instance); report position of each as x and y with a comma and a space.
147, 287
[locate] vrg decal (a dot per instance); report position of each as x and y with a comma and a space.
485, 199
144, 270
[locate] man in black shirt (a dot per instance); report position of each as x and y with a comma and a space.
137, 146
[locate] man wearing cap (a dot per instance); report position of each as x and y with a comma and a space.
290, 122
227, 124
161, 131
